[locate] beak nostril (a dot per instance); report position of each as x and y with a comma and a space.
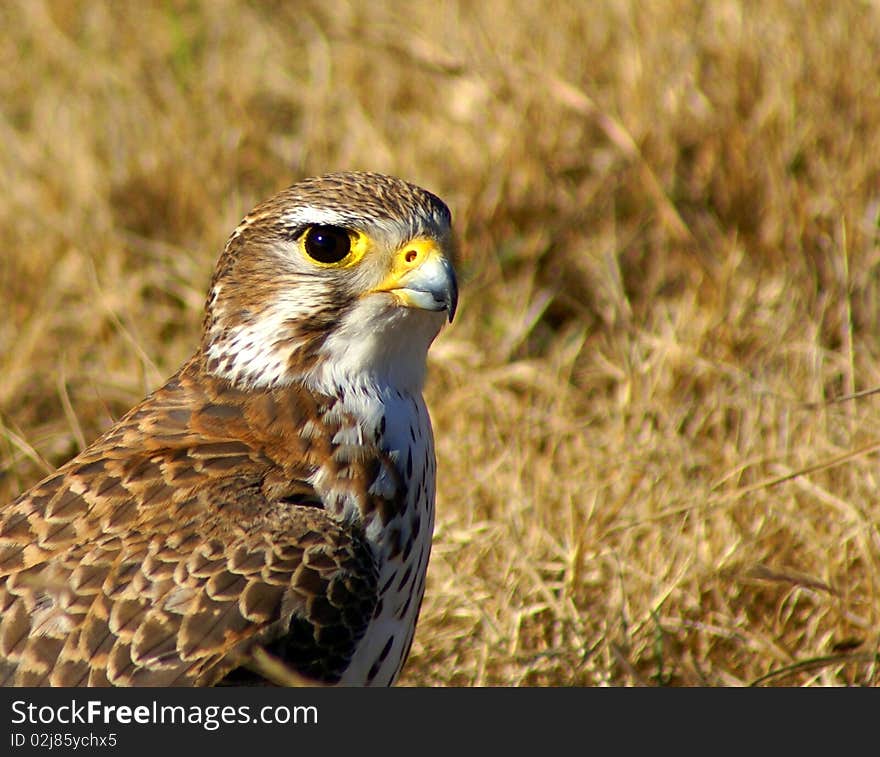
410, 256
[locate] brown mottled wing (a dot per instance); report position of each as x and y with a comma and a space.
169, 565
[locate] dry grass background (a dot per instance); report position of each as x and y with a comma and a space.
669, 223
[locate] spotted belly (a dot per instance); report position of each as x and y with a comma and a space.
399, 425
383, 650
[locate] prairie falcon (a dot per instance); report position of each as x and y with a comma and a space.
271, 506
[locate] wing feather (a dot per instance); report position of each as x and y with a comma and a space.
172, 557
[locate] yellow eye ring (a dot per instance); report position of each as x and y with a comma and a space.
327, 244
333, 246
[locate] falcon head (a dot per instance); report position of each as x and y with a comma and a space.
346, 277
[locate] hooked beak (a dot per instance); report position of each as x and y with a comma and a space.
423, 277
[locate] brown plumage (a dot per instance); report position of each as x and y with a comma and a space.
275, 495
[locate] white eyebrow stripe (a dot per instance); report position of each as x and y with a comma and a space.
316, 216
393, 232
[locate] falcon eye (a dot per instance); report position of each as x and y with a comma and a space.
327, 244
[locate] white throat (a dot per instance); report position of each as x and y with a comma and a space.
383, 345
376, 342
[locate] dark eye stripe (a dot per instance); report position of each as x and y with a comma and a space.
327, 244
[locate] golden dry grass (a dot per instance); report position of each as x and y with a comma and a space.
669, 222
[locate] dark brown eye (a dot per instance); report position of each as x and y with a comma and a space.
327, 244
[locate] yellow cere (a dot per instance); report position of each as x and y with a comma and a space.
411, 255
